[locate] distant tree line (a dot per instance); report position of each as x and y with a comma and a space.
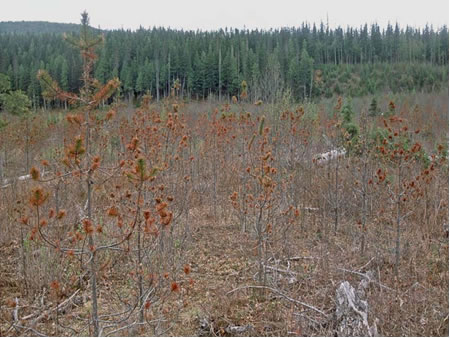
39, 27
310, 61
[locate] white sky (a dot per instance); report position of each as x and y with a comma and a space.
213, 14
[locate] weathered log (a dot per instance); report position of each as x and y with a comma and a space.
352, 310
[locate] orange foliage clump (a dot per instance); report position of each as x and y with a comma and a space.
35, 174
38, 196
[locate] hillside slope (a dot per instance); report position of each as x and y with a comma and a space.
37, 27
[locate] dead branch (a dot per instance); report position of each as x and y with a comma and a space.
46, 313
281, 294
365, 276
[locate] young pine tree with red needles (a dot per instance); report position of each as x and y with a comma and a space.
79, 158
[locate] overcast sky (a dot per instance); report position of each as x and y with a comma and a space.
212, 14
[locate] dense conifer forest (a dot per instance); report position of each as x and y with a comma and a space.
311, 61
285, 182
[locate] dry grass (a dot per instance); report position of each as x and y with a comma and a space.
306, 260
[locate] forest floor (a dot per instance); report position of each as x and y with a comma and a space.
221, 299
224, 268
222, 260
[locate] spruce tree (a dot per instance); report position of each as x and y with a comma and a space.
350, 127
373, 108
305, 69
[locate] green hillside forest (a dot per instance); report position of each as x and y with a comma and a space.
310, 61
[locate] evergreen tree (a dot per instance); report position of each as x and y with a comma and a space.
348, 124
305, 70
294, 78
5, 83
140, 81
102, 69
64, 76
16, 102
89, 98
373, 108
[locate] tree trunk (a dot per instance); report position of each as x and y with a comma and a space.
168, 77
1, 169
27, 146
336, 196
92, 264
364, 208
157, 80
220, 74
398, 221
24, 261
139, 268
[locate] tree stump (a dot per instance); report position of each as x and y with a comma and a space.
352, 310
